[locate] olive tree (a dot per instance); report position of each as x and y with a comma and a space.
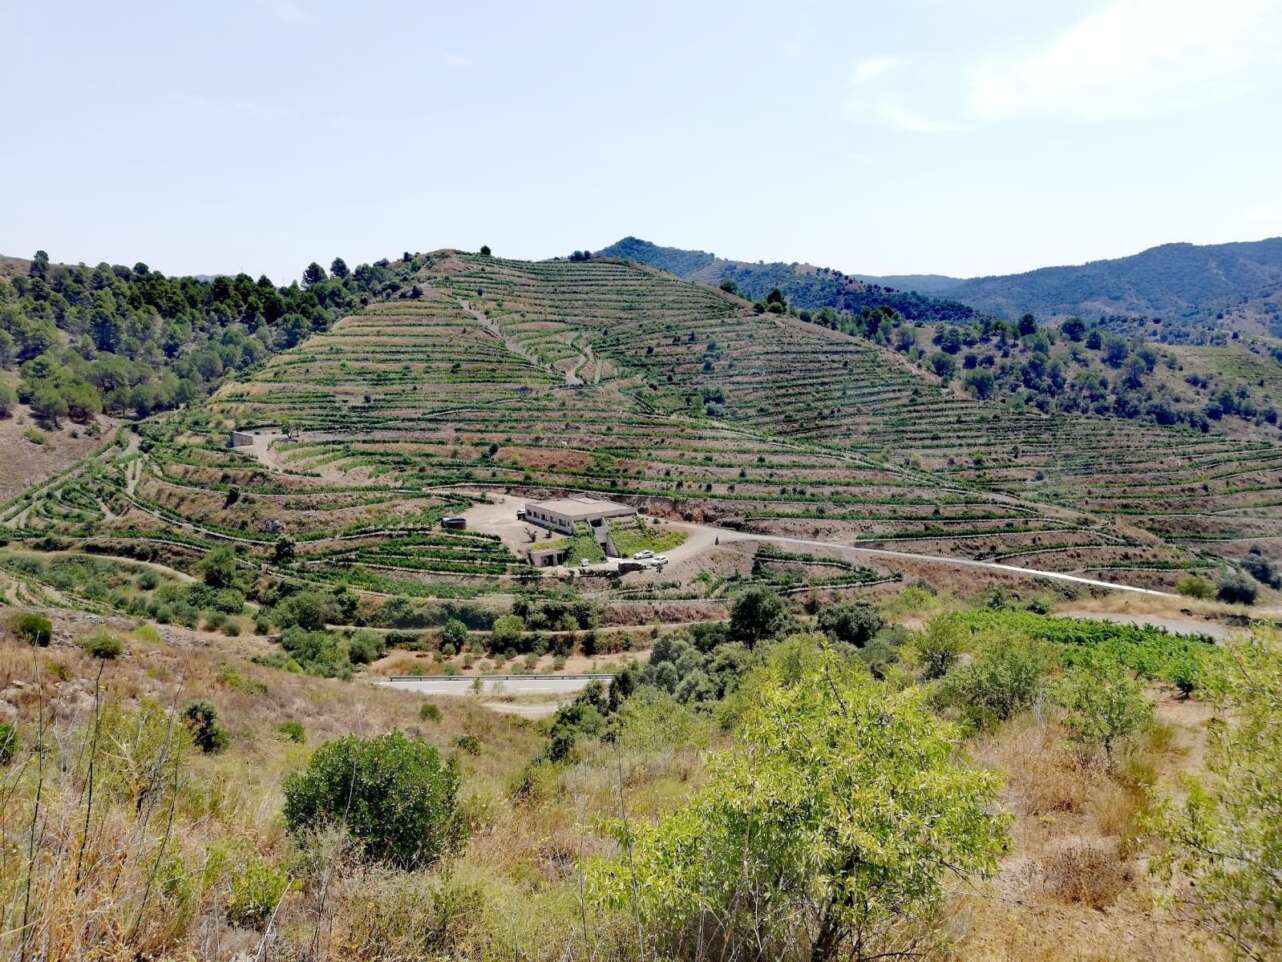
827, 831
393, 795
1224, 839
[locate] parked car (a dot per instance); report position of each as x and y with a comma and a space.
643, 554
660, 559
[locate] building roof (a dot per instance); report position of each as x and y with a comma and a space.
580, 507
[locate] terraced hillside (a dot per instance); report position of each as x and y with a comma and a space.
608, 378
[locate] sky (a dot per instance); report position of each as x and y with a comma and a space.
961, 138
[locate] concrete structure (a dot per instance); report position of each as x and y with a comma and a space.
562, 514
240, 439
454, 523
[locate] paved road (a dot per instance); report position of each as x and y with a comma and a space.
494, 684
500, 517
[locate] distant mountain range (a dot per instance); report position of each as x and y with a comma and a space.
804, 285
1170, 281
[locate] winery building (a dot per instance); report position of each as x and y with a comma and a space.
562, 514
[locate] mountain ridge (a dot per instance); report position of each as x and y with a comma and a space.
1178, 279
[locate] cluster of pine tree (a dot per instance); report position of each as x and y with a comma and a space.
131, 341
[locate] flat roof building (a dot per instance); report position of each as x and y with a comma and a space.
562, 514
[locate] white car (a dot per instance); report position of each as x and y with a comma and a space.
643, 554
660, 559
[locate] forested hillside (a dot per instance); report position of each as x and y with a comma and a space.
1170, 281
1176, 293
1105, 365
129, 340
803, 284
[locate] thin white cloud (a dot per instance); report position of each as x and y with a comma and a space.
220, 106
866, 70
869, 98
456, 61
1133, 57
902, 118
1130, 58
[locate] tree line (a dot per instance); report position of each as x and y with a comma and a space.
131, 341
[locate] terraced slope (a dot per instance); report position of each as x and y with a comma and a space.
613, 379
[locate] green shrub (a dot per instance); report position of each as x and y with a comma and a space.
1234, 589
939, 647
365, 647
468, 743
757, 614
1006, 677
8, 743
429, 712
394, 796
34, 629
102, 644
34, 436
148, 580
454, 632
201, 719
1195, 587
1104, 704
1262, 569
506, 633
293, 731
309, 610
852, 624
317, 652
256, 890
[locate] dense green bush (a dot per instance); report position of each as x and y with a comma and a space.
1234, 589
393, 795
506, 633
1262, 569
938, 647
102, 644
1195, 587
33, 629
454, 634
317, 652
851, 624
1104, 704
365, 647
201, 719
681, 668
1004, 678
309, 610
256, 889
293, 731
757, 614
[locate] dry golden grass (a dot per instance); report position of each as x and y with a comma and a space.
1074, 887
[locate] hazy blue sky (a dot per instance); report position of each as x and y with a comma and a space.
952, 137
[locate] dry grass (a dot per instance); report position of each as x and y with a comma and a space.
1074, 887
1084, 874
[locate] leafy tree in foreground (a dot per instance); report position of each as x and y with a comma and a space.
1226, 837
827, 832
1105, 704
393, 795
